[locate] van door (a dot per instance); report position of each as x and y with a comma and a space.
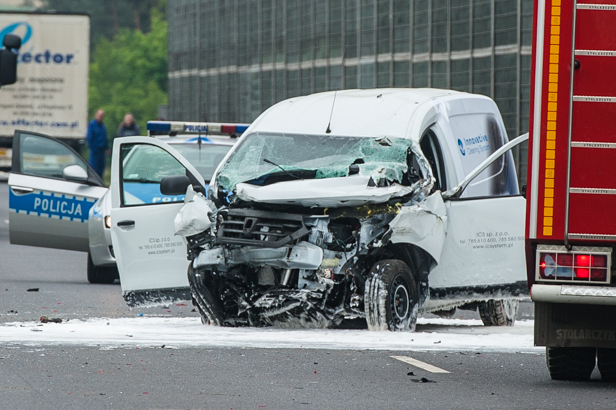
151, 259
483, 252
51, 191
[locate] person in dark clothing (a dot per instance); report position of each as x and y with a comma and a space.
96, 140
128, 127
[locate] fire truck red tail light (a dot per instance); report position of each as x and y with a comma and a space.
573, 266
599, 275
546, 265
565, 259
599, 261
582, 273
582, 260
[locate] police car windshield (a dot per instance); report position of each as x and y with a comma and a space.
327, 156
206, 159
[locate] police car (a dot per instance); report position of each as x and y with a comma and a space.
56, 200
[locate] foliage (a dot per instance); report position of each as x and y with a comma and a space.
129, 74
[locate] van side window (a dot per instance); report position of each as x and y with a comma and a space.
432, 151
477, 137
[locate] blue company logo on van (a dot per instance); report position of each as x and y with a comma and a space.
461, 146
50, 204
31, 56
474, 145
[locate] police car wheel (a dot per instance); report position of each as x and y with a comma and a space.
606, 362
391, 297
101, 274
498, 312
571, 363
210, 309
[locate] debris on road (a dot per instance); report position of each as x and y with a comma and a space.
45, 319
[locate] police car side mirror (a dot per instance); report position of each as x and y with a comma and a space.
174, 185
75, 173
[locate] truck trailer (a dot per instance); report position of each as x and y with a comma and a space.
571, 194
50, 95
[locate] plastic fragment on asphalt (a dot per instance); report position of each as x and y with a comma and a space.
45, 319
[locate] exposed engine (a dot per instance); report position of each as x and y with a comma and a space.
265, 267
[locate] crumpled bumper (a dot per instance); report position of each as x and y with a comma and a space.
304, 255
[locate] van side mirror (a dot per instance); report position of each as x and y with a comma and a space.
8, 59
524, 190
174, 185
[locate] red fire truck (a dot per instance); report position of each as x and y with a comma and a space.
571, 195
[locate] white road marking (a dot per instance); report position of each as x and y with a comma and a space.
420, 364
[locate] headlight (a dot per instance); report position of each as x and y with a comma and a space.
107, 221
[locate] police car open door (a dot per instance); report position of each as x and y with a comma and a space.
151, 259
51, 191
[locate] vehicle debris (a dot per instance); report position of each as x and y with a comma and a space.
46, 319
423, 380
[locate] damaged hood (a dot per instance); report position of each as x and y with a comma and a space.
323, 193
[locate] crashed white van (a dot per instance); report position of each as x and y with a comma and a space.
377, 204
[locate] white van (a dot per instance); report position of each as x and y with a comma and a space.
377, 204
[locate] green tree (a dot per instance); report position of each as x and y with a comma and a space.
129, 74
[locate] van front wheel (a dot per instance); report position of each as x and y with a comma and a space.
391, 297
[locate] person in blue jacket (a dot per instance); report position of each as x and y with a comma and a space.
96, 140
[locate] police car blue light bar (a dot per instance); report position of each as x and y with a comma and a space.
181, 127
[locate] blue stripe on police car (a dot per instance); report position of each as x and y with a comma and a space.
49, 204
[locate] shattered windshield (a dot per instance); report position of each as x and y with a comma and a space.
299, 156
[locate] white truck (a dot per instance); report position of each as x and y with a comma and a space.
376, 204
51, 92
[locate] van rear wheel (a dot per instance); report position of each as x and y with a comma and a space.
571, 363
498, 312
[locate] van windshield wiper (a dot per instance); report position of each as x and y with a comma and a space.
283, 170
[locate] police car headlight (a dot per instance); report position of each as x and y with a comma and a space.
107, 221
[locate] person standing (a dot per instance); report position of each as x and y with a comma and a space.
128, 127
96, 140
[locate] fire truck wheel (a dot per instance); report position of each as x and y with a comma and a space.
210, 309
606, 362
101, 274
498, 312
391, 297
571, 363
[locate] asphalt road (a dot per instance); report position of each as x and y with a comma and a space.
101, 377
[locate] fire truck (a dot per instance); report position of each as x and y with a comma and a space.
571, 194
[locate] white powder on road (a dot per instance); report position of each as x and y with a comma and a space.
431, 334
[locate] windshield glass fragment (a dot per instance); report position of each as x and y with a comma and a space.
312, 156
